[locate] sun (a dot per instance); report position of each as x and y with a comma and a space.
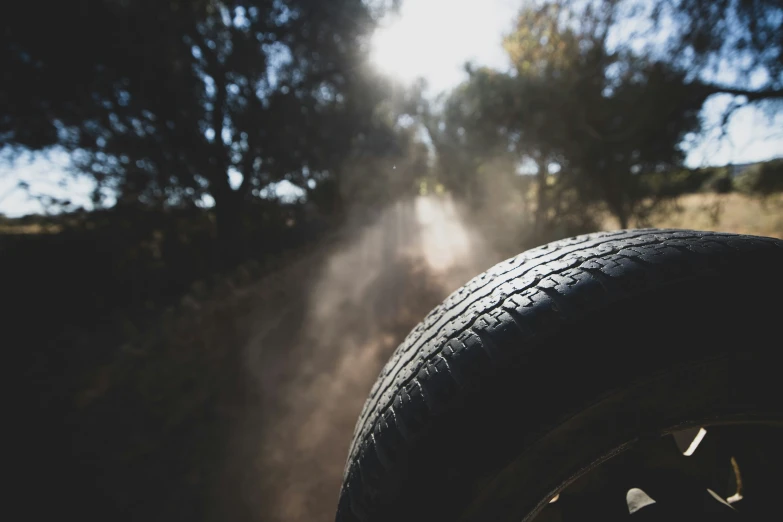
398, 50
432, 39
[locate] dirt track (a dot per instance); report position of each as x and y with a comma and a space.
320, 334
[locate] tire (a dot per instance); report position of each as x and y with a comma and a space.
552, 361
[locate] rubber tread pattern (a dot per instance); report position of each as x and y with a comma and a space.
519, 298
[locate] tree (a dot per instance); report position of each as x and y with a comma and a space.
762, 180
640, 91
743, 36
165, 103
732, 47
603, 92
600, 118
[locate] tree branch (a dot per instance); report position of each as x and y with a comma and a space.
763, 94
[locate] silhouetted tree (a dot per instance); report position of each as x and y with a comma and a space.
589, 117
734, 46
166, 103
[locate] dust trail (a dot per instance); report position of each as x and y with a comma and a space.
323, 331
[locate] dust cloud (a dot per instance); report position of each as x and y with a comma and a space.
321, 332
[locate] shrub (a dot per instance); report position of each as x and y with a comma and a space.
762, 180
720, 182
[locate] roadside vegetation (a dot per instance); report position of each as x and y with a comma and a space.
127, 317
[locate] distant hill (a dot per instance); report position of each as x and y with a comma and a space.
738, 168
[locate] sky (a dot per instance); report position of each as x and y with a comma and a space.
406, 47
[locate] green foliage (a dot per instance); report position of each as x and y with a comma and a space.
745, 35
166, 103
762, 180
719, 181
262, 91
676, 182
599, 113
604, 119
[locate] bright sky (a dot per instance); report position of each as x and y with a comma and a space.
433, 39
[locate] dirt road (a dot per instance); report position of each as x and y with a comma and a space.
320, 335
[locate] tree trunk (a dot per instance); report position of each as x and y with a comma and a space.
616, 200
229, 203
230, 227
623, 219
622, 214
542, 204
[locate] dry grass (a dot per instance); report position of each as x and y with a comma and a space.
729, 213
721, 212
33, 228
